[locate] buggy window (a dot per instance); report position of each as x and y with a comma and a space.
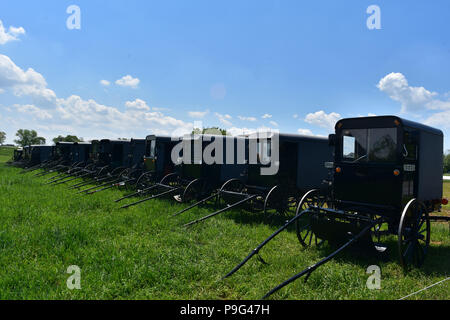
151, 148
264, 151
369, 145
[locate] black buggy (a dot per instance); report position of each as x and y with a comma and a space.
300, 168
33, 156
133, 166
192, 178
108, 163
386, 178
156, 164
17, 157
69, 159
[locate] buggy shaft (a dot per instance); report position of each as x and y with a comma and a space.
220, 211
259, 247
150, 198
195, 204
95, 187
115, 183
310, 269
137, 193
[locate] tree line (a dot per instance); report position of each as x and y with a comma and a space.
27, 137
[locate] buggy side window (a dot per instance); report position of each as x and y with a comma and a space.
354, 145
349, 147
153, 148
264, 152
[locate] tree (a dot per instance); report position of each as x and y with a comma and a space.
2, 137
447, 163
28, 137
67, 138
212, 131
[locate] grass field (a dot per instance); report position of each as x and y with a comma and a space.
142, 253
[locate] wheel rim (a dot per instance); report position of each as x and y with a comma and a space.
414, 234
145, 180
305, 234
278, 202
234, 185
192, 191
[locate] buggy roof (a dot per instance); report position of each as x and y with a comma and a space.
288, 137
384, 121
163, 138
65, 143
114, 141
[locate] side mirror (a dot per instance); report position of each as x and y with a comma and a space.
332, 140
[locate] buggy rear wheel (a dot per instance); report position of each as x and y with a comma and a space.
145, 180
305, 234
277, 201
413, 234
232, 191
192, 191
172, 180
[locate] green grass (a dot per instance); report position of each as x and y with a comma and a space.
6, 153
142, 253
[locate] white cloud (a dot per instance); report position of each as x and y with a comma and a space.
137, 105
12, 34
128, 81
411, 98
24, 83
273, 123
198, 114
75, 115
321, 119
295, 116
252, 119
305, 132
224, 119
34, 111
105, 83
439, 120
266, 116
235, 131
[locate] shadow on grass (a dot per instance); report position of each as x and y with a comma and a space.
437, 261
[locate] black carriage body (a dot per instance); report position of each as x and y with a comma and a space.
113, 153
18, 154
81, 152
27, 153
40, 154
157, 158
383, 162
64, 151
301, 163
136, 154
223, 169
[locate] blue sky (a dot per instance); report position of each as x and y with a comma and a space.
241, 65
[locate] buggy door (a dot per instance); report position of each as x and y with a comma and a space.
368, 160
410, 154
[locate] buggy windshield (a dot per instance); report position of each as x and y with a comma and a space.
369, 145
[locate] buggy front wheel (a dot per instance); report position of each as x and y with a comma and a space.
303, 225
413, 234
